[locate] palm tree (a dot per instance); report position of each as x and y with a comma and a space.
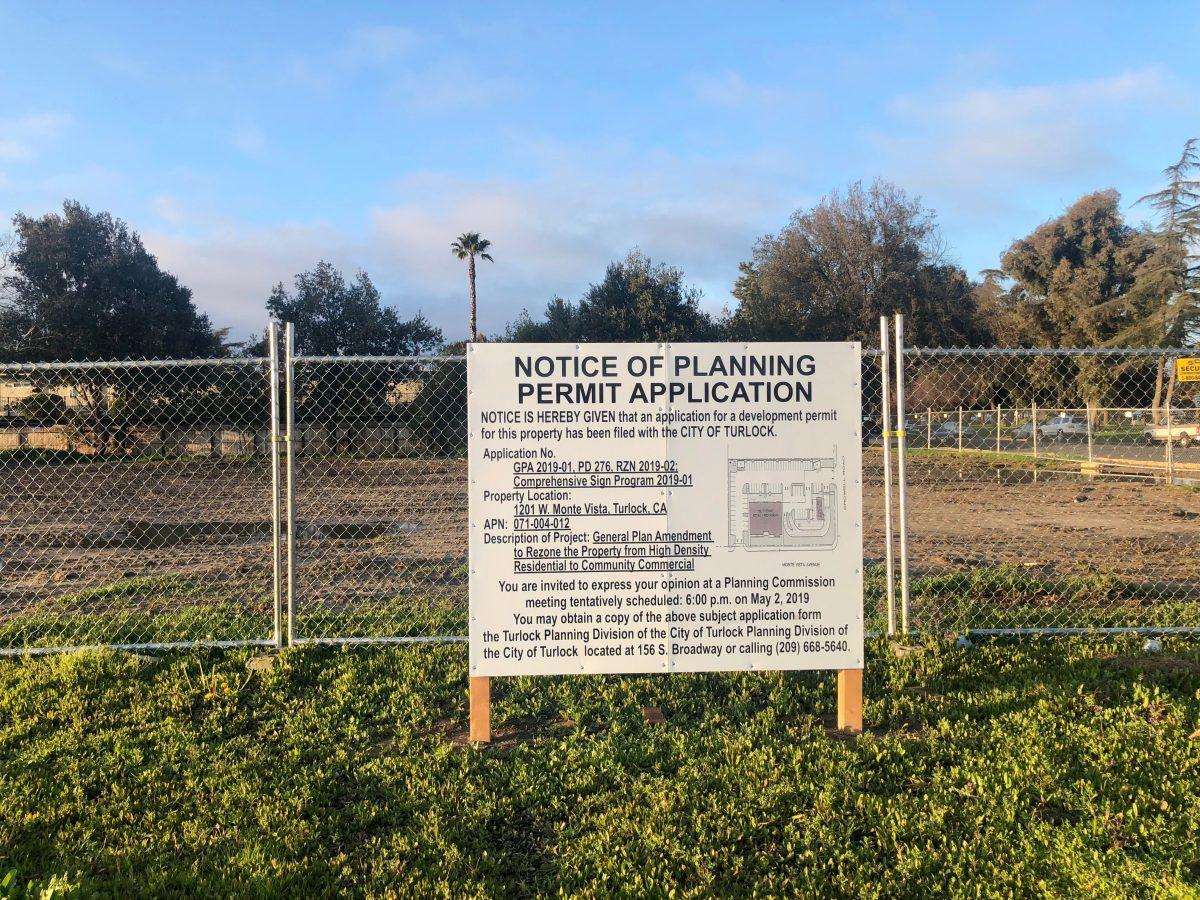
468, 246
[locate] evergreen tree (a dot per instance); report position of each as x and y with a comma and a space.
83, 287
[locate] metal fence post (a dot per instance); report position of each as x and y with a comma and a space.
960, 423
928, 428
289, 368
276, 553
997, 427
1170, 450
1035, 429
901, 473
1089, 429
884, 365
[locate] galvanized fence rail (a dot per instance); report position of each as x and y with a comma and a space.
323, 499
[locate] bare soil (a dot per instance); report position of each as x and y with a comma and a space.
968, 516
370, 530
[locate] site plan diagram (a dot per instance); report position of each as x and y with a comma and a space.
784, 503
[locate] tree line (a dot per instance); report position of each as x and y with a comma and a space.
80, 285
1086, 278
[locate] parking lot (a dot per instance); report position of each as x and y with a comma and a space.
1068, 436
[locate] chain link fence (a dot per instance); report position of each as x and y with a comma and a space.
140, 504
876, 536
135, 503
380, 474
1051, 490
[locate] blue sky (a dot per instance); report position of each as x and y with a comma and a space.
246, 141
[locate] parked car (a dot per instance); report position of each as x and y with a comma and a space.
945, 433
1183, 431
1064, 428
1022, 432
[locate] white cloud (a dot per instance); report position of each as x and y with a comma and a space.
373, 45
557, 234
413, 72
169, 208
121, 64
729, 89
367, 46
231, 270
99, 185
23, 136
1034, 133
452, 85
551, 235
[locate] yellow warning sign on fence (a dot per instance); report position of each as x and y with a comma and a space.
1187, 369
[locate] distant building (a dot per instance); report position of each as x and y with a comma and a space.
14, 390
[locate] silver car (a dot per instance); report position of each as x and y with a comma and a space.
1065, 428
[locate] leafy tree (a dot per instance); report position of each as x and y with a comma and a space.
1076, 282
1170, 272
438, 414
836, 268
559, 324
334, 317
83, 287
994, 310
468, 246
7, 243
637, 300
1075, 275
1168, 278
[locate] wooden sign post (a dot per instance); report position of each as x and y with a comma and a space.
481, 710
850, 700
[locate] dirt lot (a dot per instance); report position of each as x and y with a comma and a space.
372, 530
972, 514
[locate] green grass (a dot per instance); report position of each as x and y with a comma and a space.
988, 457
1061, 767
146, 609
1125, 434
159, 609
1008, 596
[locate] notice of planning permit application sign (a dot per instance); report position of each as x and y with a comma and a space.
665, 507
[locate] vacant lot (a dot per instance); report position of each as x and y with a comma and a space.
1066, 767
381, 547
970, 511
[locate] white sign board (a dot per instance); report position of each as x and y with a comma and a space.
665, 507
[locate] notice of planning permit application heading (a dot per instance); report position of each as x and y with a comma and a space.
665, 507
